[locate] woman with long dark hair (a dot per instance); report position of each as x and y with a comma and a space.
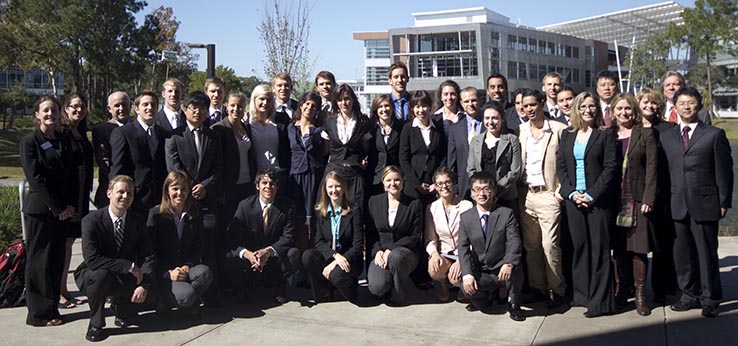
384, 146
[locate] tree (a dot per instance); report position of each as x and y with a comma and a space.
166, 39
233, 82
650, 60
709, 29
15, 97
284, 30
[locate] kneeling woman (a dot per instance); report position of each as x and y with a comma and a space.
337, 257
176, 232
394, 226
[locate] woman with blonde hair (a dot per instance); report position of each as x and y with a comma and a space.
585, 165
176, 230
337, 259
270, 146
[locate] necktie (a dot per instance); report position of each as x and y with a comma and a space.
216, 117
673, 115
118, 225
685, 136
485, 218
554, 112
148, 131
607, 116
401, 109
473, 131
175, 121
265, 216
198, 140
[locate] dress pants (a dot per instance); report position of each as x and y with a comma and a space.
99, 284
345, 282
400, 263
274, 274
213, 250
591, 266
185, 294
488, 283
696, 261
540, 228
45, 249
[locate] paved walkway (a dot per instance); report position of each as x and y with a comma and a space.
424, 322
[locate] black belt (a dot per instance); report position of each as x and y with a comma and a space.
536, 189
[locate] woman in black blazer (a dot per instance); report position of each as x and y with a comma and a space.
585, 165
422, 149
308, 163
270, 147
663, 273
176, 231
394, 228
347, 133
238, 165
384, 146
48, 161
336, 261
634, 233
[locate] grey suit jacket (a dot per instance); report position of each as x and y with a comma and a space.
508, 163
502, 244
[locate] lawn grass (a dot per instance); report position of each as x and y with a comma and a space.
730, 126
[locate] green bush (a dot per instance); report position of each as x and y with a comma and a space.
10, 223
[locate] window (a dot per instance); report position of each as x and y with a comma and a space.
377, 49
444, 66
494, 66
512, 42
522, 43
551, 48
512, 70
575, 76
542, 47
532, 45
376, 75
495, 41
588, 78
522, 70
533, 71
575, 52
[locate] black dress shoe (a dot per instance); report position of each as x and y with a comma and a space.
534, 296
592, 314
95, 334
709, 311
122, 322
471, 308
682, 306
554, 300
516, 314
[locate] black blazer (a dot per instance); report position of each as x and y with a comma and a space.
382, 155
281, 118
161, 119
417, 161
50, 172
83, 155
231, 155
501, 246
99, 250
405, 231
600, 163
513, 121
350, 235
458, 152
702, 175
133, 157
101, 143
306, 156
171, 251
205, 169
246, 230
353, 151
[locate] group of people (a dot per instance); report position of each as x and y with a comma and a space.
555, 197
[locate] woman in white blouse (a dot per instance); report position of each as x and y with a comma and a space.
441, 232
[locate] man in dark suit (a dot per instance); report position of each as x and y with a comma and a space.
606, 87
170, 116
460, 135
497, 91
515, 116
118, 259
262, 237
138, 152
701, 172
564, 101
552, 83
195, 149
489, 249
119, 107
282, 89
215, 88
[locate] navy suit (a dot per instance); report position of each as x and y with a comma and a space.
701, 184
458, 152
161, 119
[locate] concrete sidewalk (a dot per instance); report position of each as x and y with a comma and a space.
424, 322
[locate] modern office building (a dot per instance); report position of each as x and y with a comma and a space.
467, 45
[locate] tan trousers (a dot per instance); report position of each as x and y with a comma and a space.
539, 225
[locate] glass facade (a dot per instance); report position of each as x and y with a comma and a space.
442, 60
376, 75
33, 79
377, 49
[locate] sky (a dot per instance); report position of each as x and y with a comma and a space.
231, 25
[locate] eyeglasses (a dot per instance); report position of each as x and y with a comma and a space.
195, 109
444, 183
684, 103
485, 189
583, 107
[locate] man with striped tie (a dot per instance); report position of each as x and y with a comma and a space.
119, 260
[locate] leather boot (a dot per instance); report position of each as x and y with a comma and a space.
621, 297
639, 275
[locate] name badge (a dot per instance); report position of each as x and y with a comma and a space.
46, 145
